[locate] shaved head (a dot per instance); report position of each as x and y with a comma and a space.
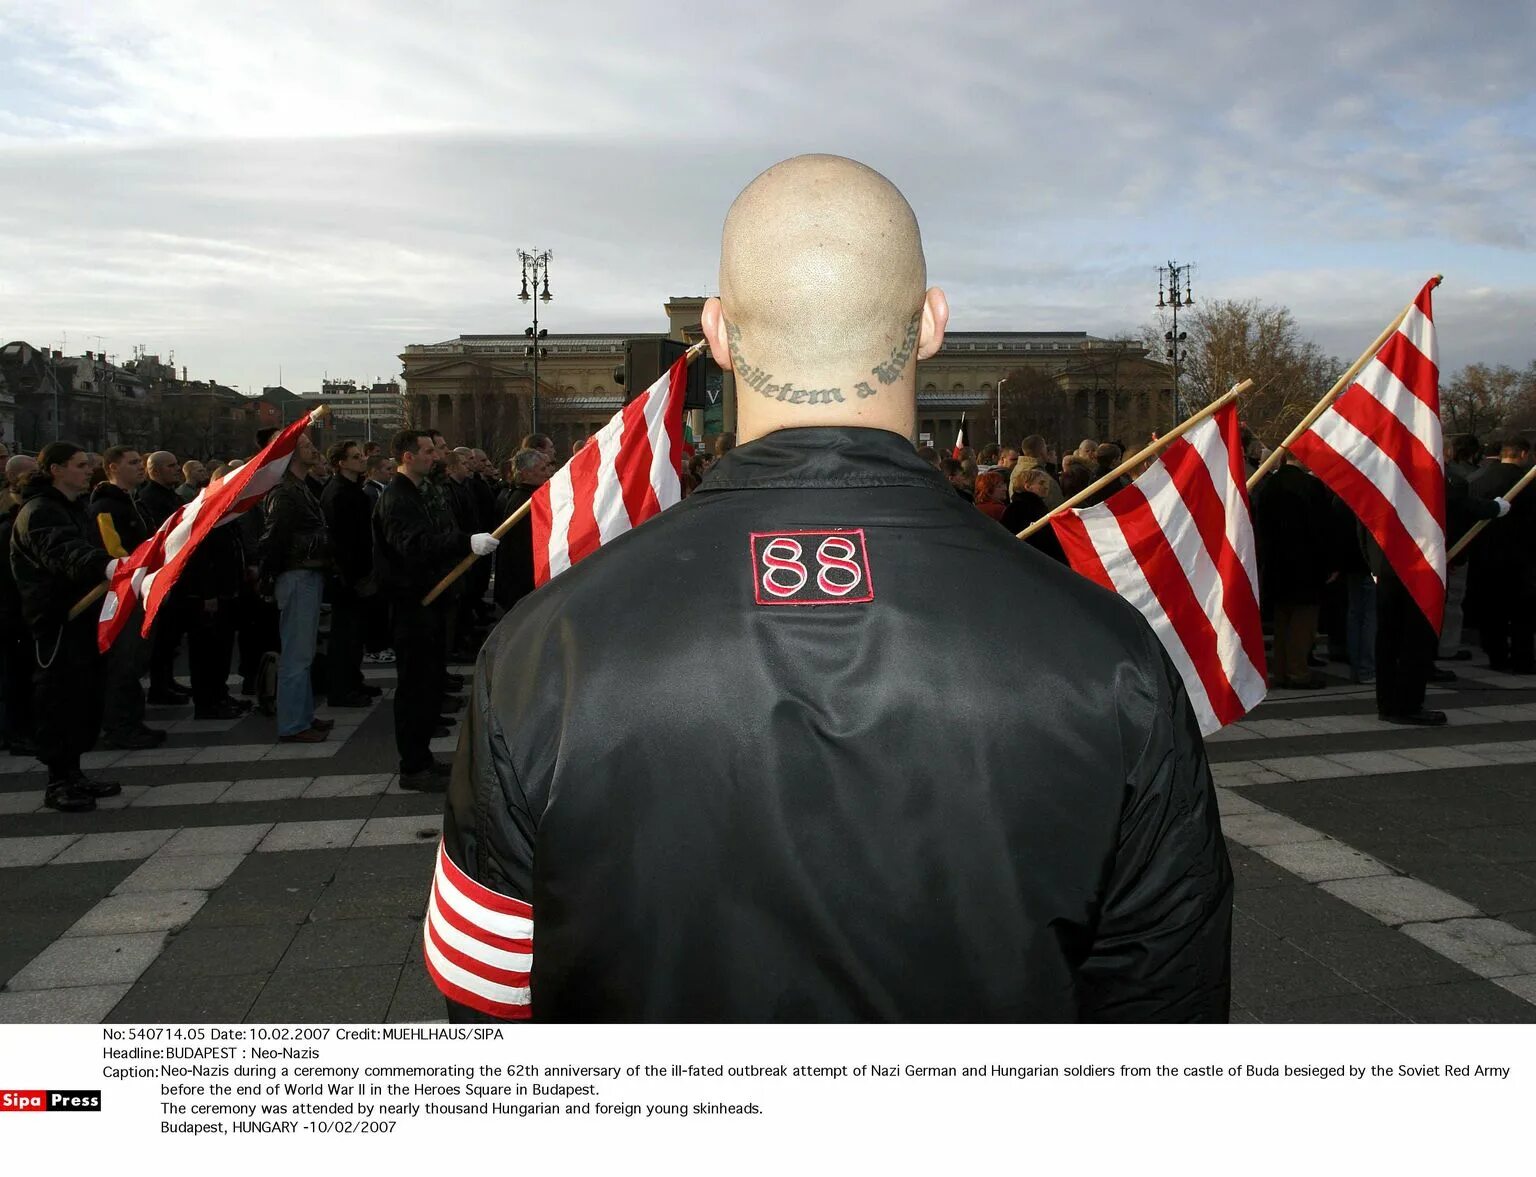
822, 312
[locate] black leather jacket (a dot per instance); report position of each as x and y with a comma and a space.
54, 556
745, 765
415, 541
348, 511
296, 535
157, 503
118, 519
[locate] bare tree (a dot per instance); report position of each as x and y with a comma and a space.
1480, 399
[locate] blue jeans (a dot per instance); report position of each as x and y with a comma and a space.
298, 603
1360, 624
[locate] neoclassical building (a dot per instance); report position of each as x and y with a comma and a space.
1067, 385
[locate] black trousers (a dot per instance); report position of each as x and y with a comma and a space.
16, 668
122, 667
421, 661
165, 640
210, 649
344, 648
1405, 649
1507, 622
258, 630
67, 694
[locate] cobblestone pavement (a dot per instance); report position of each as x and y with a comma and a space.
1383, 873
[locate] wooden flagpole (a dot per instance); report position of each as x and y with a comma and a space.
1146, 452
1331, 395
511, 520
1472, 531
100, 590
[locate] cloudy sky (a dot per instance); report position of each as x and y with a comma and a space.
314, 186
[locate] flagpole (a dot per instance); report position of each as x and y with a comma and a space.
512, 520
100, 590
1472, 532
1332, 394
1146, 452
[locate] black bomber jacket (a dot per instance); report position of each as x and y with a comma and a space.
750, 762
54, 556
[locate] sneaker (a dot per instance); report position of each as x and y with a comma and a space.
309, 735
134, 741
322, 725
69, 796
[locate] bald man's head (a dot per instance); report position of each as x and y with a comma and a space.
822, 311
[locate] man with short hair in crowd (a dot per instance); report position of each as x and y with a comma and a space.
194, 476
211, 585
531, 469
296, 556
413, 548
16, 656
56, 562
1503, 574
381, 468
954, 470
120, 527
347, 513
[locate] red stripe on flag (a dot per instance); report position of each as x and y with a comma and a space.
1192, 479
1170, 586
1079, 549
584, 536
1413, 368
633, 466
542, 519
1381, 518
1421, 469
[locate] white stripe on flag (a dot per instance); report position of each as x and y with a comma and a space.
1366, 456
453, 974
1131, 583
664, 481
1420, 331
608, 501
1211, 445
1396, 397
562, 506
1177, 524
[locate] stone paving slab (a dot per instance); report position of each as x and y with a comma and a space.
1398, 900
77, 1004
187, 1000
393, 831
154, 911
264, 789
34, 851
89, 960
349, 785
184, 793
1266, 829
1323, 860
311, 835
1489, 948
180, 872
216, 840
359, 994
110, 847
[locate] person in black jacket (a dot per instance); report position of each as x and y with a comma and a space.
1504, 565
211, 585
1290, 526
413, 547
296, 559
55, 563
877, 833
531, 469
1026, 505
158, 500
16, 663
348, 511
120, 528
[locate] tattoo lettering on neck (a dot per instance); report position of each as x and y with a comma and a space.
754, 377
890, 371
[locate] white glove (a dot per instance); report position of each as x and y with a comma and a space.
1503, 507
112, 567
483, 543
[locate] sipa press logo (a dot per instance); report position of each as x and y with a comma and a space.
50, 1101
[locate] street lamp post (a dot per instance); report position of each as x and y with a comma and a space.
1172, 275
535, 264
1000, 384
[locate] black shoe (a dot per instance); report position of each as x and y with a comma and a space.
439, 732
1420, 718
451, 703
357, 700
171, 688
1438, 675
370, 690
99, 788
322, 725
447, 720
167, 699
69, 797
426, 780
134, 741
223, 709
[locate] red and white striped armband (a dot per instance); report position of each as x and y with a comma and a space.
478, 943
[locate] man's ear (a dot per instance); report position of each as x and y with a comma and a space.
935, 318
712, 320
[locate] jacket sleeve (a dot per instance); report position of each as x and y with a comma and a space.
57, 545
1162, 946
478, 938
409, 532
106, 528
278, 511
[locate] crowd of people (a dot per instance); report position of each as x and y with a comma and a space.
360, 533
1320, 573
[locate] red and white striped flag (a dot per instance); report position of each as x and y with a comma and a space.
152, 568
1178, 544
1378, 447
959, 450
632, 469
478, 943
